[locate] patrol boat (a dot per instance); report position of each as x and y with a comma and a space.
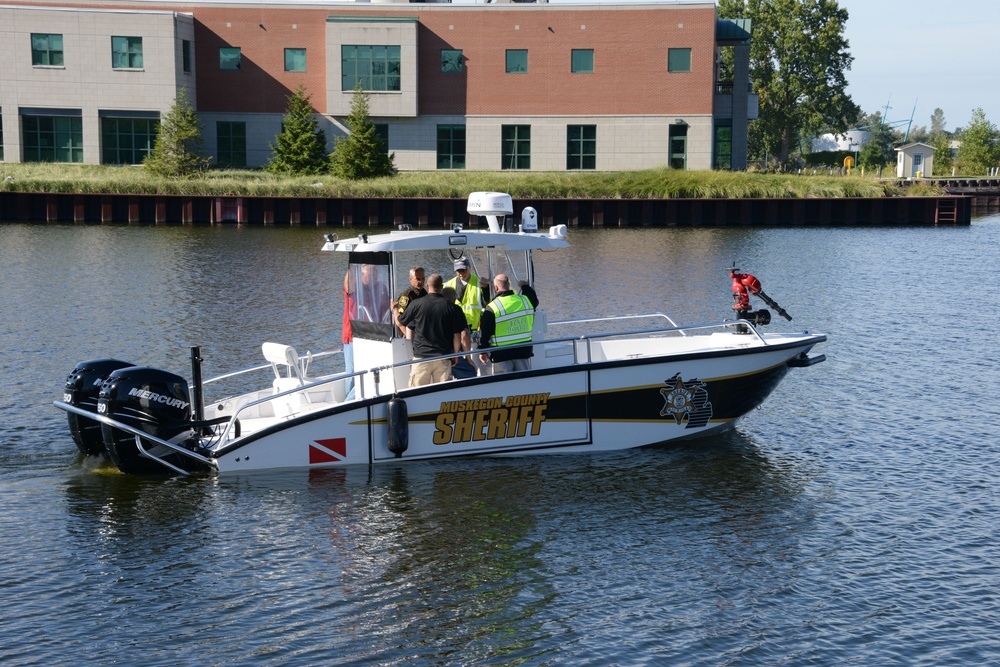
594, 384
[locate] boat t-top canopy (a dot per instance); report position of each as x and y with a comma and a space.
488, 204
398, 241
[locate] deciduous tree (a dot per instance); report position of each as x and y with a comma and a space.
362, 153
300, 148
798, 63
978, 152
937, 122
941, 141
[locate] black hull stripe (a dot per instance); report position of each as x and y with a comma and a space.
732, 396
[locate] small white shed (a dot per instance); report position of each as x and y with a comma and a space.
915, 160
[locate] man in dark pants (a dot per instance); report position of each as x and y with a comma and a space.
464, 368
437, 329
508, 320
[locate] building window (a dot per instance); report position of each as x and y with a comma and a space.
451, 61
678, 146
517, 61
382, 132
581, 147
1, 137
231, 143
126, 52
723, 147
230, 58
295, 60
516, 146
451, 147
678, 60
127, 140
46, 50
582, 61
53, 138
186, 56
375, 67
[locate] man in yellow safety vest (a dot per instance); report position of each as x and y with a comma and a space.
470, 291
507, 320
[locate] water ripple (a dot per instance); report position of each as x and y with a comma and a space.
849, 521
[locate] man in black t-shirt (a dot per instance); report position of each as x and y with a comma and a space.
437, 329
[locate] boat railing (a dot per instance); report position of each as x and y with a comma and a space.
742, 325
139, 436
305, 390
582, 352
616, 318
305, 360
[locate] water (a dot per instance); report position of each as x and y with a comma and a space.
851, 520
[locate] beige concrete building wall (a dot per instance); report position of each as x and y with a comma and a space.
86, 82
369, 31
623, 142
262, 128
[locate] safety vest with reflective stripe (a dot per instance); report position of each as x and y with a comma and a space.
515, 317
470, 301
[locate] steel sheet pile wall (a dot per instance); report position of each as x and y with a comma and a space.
180, 209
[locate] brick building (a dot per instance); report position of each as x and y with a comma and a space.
541, 87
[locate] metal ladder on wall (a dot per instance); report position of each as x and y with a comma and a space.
947, 211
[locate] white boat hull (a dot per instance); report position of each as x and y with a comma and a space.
601, 406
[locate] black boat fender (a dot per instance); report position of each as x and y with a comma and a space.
397, 418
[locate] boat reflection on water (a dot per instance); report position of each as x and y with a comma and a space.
477, 549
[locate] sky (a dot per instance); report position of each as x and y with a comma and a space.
919, 55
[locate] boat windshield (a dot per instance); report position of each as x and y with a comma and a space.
368, 298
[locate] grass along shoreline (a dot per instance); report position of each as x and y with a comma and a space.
658, 183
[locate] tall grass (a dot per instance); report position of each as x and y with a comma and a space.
658, 183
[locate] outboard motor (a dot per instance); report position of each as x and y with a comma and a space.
83, 386
151, 400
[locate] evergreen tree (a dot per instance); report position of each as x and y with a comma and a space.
177, 151
300, 148
362, 153
798, 63
979, 152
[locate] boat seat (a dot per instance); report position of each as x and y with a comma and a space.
288, 375
287, 357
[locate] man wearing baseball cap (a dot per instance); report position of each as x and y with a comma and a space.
471, 292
